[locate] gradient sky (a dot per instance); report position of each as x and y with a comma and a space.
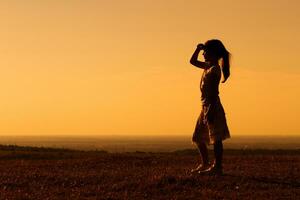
112, 67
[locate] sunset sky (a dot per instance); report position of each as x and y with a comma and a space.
116, 67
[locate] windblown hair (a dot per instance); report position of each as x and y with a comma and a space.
217, 48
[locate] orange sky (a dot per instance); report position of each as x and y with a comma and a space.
122, 67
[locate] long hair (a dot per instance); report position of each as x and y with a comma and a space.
218, 49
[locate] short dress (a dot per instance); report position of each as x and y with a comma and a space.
215, 128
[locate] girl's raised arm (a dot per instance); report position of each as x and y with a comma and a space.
194, 59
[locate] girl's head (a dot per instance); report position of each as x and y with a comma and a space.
214, 50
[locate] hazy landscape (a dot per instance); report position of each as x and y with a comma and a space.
147, 143
100, 98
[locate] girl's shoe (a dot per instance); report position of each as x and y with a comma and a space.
200, 168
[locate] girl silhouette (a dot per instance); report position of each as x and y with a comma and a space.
211, 126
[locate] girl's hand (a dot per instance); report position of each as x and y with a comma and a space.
200, 46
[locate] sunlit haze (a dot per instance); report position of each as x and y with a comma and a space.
102, 67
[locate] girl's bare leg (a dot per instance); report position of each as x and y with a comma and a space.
216, 168
218, 151
204, 156
203, 152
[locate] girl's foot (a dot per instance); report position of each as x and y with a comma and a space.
200, 168
213, 170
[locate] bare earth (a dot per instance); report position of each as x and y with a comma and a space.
34, 173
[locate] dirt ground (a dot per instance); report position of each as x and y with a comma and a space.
47, 174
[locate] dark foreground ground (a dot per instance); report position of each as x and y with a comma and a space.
35, 173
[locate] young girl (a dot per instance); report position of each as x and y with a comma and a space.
211, 127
